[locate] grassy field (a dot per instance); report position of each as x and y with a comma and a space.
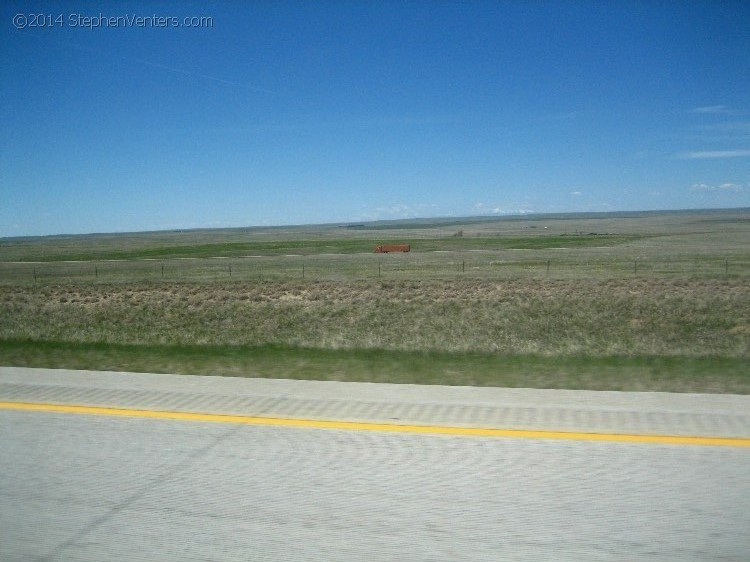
324, 246
646, 302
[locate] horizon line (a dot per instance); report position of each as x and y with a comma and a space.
496, 216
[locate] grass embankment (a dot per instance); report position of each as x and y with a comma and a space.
683, 335
665, 374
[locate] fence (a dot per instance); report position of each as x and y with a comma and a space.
364, 267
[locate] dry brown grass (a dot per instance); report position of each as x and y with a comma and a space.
667, 317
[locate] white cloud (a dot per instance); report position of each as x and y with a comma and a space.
710, 154
711, 109
730, 127
730, 187
575, 193
398, 210
724, 187
401, 211
512, 208
505, 211
482, 208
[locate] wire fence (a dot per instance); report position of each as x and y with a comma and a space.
362, 267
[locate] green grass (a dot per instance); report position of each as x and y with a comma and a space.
665, 374
93, 252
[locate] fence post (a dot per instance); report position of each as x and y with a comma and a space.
463, 266
635, 267
303, 270
162, 270
96, 271
230, 270
726, 266
547, 267
379, 273
35, 275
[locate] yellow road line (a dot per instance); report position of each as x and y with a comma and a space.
380, 427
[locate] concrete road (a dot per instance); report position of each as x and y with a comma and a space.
98, 487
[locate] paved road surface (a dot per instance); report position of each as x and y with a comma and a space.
98, 487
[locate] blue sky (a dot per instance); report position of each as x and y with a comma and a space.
309, 111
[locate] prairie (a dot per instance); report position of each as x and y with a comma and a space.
658, 303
